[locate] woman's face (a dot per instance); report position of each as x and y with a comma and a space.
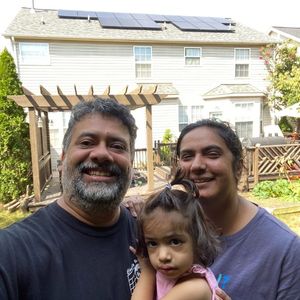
207, 161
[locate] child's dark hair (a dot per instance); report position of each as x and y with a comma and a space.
185, 201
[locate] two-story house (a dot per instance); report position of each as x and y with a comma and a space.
210, 66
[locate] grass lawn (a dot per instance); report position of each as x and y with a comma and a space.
7, 218
280, 209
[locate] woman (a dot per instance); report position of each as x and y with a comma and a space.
260, 257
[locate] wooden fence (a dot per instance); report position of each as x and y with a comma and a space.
262, 162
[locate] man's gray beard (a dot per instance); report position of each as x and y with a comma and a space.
95, 196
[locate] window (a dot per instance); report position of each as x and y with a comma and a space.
244, 113
143, 57
242, 61
188, 114
196, 113
244, 129
192, 56
34, 53
182, 117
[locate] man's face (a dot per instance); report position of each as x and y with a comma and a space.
97, 164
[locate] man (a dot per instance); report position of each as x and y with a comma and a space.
78, 247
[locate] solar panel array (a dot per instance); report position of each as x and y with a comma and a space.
150, 21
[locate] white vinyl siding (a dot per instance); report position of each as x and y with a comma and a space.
143, 58
242, 62
192, 56
34, 53
112, 64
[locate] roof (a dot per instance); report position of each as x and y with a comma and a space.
45, 24
233, 90
288, 32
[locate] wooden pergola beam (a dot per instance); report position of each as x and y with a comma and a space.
141, 96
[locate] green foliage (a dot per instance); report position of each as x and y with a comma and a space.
285, 125
165, 153
283, 65
281, 188
14, 134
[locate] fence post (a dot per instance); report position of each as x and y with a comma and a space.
255, 164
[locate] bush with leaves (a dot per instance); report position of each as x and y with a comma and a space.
280, 188
283, 65
165, 151
15, 171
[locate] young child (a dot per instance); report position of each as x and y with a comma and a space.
176, 246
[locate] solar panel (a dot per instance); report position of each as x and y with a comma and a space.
175, 18
109, 21
86, 14
158, 18
67, 13
151, 21
215, 24
149, 24
183, 25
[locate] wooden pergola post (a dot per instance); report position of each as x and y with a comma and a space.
33, 131
150, 167
142, 96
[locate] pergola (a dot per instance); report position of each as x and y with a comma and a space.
38, 107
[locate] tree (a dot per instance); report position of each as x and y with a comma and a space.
15, 171
283, 65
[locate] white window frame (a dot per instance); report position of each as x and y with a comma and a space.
38, 55
189, 57
146, 62
193, 113
242, 124
244, 114
241, 61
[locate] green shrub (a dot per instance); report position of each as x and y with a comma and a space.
15, 171
165, 151
280, 188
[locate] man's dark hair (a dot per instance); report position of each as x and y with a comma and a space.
105, 107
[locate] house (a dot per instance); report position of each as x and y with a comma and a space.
286, 33
209, 67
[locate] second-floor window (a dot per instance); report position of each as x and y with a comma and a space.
192, 56
34, 53
143, 58
242, 62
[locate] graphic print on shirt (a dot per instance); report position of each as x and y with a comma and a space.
223, 280
133, 274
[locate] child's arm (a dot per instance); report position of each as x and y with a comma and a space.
145, 287
190, 289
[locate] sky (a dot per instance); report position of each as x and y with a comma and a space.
257, 14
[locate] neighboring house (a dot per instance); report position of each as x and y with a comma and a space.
286, 33
210, 66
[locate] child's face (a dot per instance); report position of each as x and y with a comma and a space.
169, 245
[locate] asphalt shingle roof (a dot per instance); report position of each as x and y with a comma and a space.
233, 89
295, 31
45, 24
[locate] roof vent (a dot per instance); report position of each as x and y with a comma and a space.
164, 26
